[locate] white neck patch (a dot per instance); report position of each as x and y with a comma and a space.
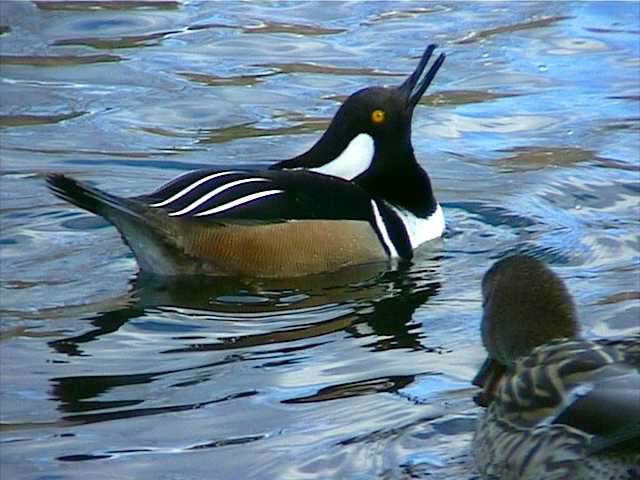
353, 161
421, 230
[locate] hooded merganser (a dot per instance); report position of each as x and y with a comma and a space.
357, 196
558, 406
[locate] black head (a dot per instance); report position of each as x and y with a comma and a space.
385, 113
525, 305
374, 127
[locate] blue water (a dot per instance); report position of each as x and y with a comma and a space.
529, 133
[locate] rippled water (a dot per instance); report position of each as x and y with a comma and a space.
530, 134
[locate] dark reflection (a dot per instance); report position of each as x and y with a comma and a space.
554, 255
355, 389
87, 418
105, 323
57, 60
201, 446
392, 317
494, 216
106, 4
127, 41
73, 392
514, 27
370, 301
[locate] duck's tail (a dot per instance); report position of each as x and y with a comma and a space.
140, 228
92, 199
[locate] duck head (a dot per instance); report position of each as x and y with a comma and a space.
369, 139
525, 304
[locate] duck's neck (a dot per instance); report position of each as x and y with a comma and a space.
386, 170
330, 145
396, 176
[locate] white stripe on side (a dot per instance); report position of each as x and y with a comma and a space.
196, 184
215, 192
393, 253
353, 161
239, 201
421, 230
174, 179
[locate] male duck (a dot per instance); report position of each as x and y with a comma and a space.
559, 407
357, 196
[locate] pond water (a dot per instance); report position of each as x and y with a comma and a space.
530, 134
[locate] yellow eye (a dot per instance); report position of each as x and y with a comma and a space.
377, 116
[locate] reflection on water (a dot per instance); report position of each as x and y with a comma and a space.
361, 302
24, 120
56, 60
529, 135
106, 4
526, 25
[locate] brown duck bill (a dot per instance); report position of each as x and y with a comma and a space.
414, 87
488, 378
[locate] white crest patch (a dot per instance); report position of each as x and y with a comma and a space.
421, 230
353, 161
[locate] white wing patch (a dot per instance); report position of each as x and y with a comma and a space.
239, 201
421, 230
213, 193
188, 200
353, 161
186, 190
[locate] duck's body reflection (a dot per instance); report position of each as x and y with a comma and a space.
288, 316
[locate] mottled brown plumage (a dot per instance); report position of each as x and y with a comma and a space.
559, 407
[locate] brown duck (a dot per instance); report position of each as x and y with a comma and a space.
558, 406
